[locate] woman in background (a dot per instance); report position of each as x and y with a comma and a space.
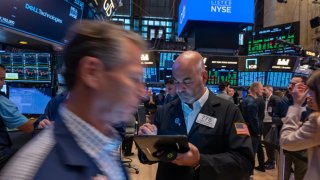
296, 135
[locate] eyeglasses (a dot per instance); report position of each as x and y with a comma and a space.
293, 83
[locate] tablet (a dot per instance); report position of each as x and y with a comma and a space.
150, 144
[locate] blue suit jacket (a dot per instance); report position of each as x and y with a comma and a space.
66, 159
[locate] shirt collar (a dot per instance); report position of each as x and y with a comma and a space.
268, 98
92, 141
200, 102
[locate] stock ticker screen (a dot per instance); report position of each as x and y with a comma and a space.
247, 78
278, 79
30, 100
274, 40
27, 67
215, 76
165, 65
150, 74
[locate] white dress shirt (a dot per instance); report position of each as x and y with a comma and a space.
191, 114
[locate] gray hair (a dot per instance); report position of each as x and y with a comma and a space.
99, 39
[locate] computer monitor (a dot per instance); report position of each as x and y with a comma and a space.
247, 78
30, 100
214, 89
279, 79
216, 76
150, 74
4, 89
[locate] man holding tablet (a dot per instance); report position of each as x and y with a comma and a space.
219, 142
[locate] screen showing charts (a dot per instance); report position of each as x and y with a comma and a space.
279, 79
165, 65
247, 78
27, 67
30, 100
150, 74
215, 76
278, 39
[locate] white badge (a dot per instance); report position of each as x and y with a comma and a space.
206, 120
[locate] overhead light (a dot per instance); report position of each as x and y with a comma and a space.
23, 42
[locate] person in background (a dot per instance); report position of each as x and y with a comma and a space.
11, 118
300, 167
230, 92
160, 97
219, 141
271, 104
171, 91
297, 135
51, 111
150, 105
82, 143
224, 87
252, 115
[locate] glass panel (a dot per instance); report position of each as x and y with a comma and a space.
151, 23
169, 30
127, 27
160, 33
156, 23
169, 23
127, 21
144, 35
163, 23
145, 22
144, 28
152, 34
168, 36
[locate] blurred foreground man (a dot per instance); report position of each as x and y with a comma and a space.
103, 75
219, 141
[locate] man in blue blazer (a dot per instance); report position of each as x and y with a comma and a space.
219, 141
83, 143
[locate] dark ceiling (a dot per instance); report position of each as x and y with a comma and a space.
10, 40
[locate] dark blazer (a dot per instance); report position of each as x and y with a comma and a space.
67, 160
223, 154
251, 115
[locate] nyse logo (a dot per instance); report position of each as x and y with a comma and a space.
221, 6
283, 62
252, 63
108, 7
73, 12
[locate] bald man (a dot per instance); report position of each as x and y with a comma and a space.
219, 141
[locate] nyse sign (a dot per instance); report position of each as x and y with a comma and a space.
221, 6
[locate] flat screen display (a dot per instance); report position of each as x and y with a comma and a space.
27, 67
4, 88
247, 78
215, 76
278, 79
150, 74
47, 20
165, 65
278, 39
30, 100
240, 11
